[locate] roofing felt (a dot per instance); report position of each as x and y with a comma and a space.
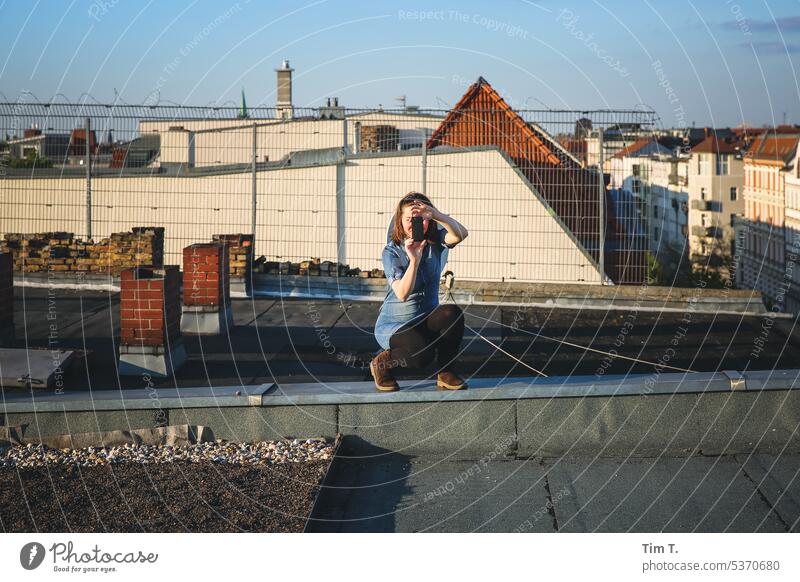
275, 340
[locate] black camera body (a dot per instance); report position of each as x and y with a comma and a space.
417, 229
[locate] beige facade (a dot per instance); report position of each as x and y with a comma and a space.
716, 196
765, 204
334, 212
792, 235
658, 182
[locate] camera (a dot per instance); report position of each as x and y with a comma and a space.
417, 229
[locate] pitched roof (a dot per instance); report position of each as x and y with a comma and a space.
713, 145
574, 145
483, 117
774, 145
642, 147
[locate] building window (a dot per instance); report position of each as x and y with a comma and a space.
655, 211
733, 193
638, 176
733, 219
722, 164
702, 193
704, 164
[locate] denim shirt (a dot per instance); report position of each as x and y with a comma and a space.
424, 297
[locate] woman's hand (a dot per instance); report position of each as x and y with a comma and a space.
455, 230
414, 249
419, 208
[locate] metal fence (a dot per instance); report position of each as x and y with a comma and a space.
324, 182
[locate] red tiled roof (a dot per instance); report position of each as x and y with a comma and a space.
482, 117
575, 146
714, 145
774, 145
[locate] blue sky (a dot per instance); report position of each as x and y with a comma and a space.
707, 62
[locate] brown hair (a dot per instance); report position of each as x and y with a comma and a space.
398, 234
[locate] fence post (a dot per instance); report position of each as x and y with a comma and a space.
87, 130
254, 189
341, 220
424, 161
601, 233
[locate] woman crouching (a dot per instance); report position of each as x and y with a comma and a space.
412, 328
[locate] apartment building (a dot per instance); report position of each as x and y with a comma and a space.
715, 188
792, 235
653, 178
767, 164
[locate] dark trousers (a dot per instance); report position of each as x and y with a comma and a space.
439, 333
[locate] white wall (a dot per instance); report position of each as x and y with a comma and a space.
220, 142
512, 234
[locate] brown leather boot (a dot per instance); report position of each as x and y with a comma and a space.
448, 380
381, 367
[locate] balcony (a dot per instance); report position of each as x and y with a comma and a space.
710, 260
707, 231
677, 180
705, 205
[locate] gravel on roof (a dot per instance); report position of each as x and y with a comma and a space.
224, 487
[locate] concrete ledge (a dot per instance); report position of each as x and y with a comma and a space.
452, 429
712, 423
256, 423
342, 393
525, 294
527, 388
164, 398
640, 416
60, 423
68, 280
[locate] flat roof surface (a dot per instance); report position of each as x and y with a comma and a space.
311, 341
398, 493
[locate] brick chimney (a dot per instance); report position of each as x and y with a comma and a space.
206, 289
150, 310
